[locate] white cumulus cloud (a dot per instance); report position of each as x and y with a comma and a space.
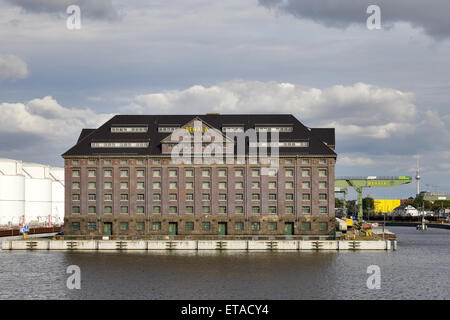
12, 67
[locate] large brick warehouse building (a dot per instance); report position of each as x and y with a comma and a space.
122, 179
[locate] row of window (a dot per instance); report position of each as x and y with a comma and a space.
205, 197
140, 173
205, 209
205, 226
158, 161
205, 185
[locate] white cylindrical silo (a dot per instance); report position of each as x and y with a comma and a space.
57, 174
38, 194
12, 193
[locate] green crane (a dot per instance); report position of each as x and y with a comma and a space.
358, 183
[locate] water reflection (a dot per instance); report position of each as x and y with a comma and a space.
417, 270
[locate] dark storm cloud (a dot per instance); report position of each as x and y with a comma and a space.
99, 9
432, 15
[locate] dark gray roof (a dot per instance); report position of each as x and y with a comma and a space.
316, 136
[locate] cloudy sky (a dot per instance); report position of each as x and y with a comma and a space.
385, 91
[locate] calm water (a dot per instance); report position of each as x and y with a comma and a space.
418, 270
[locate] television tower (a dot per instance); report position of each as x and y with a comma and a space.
418, 178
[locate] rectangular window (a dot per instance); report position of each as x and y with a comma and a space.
91, 173
173, 197
222, 173
272, 226
306, 173
140, 209
140, 185
76, 209
189, 197
75, 173
305, 161
322, 196
123, 226
322, 173
124, 209
92, 197
75, 226
323, 226
140, 173
189, 185
272, 173
76, 197
322, 185
289, 172
156, 185
289, 185
206, 197
272, 185
189, 226
124, 197
256, 209
306, 210
75, 162
107, 185
156, 161
156, 197
206, 226
306, 226
189, 173
206, 185
239, 185
108, 173
108, 197
306, 185
206, 209
239, 226
289, 210
222, 209
156, 226
123, 161
239, 197
107, 210
239, 209
255, 173
255, 185
91, 162
140, 226
306, 197
156, 173
156, 209
91, 226
322, 161
239, 173
123, 173
172, 185
172, 173
173, 209
124, 185
139, 161
222, 197
206, 173
289, 196
272, 196
323, 210
107, 162
256, 226
75, 185
288, 161
91, 185
140, 197
272, 210
256, 197
189, 209
222, 185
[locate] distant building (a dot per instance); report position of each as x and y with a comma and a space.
406, 211
121, 179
